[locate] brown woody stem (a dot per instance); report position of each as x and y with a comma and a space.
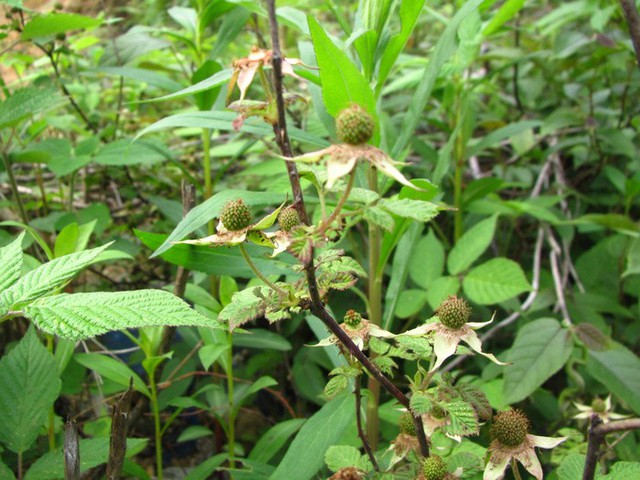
597, 431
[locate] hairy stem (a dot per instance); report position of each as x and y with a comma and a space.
633, 22
231, 427
156, 425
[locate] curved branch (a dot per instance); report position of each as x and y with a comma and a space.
597, 431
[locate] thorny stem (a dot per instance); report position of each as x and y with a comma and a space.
260, 275
597, 431
361, 433
317, 307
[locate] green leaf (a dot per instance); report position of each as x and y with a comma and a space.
214, 81
445, 50
150, 77
420, 403
409, 13
495, 281
633, 259
211, 208
335, 385
66, 240
82, 315
505, 13
5, 472
55, 23
205, 470
623, 471
210, 353
113, 369
11, 262
410, 302
343, 456
427, 261
315, 438
494, 138
26, 102
408, 208
245, 305
29, 384
463, 419
193, 433
46, 278
216, 261
440, 289
572, 467
223, 120
260, 338
540, 349
618, 369
471, 245
378, 216
399, 271
125, 152
342, 82
274, 439
93, 452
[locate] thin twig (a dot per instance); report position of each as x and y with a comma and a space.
317, 307
597, 431
361, 433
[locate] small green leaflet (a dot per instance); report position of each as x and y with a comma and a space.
83, 315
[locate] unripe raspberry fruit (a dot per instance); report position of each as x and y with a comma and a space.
598, 405
406, 424
434, 468
454, 312
354, 125
510, 427
352, 318
288, 218
235, 215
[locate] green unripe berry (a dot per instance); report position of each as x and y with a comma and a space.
454, 312
598, 405
406, 424
288, 219
235, 215
352, 318
510, 427
434, 468
354, 125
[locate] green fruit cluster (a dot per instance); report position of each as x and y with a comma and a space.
354, 125
510, 427
235, 215
406, 424
434, 468
288, 219
352, 318
454, 312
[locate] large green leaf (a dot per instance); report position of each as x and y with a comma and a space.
55, 23
495, 281
219, 120
408, 208
46, 278
82, 315
211, 208
471, 245
26, 102
505, 13
540, 349
29, 384
445, 49
93, 452
306, 453
619, 370
11, 262
342, 82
